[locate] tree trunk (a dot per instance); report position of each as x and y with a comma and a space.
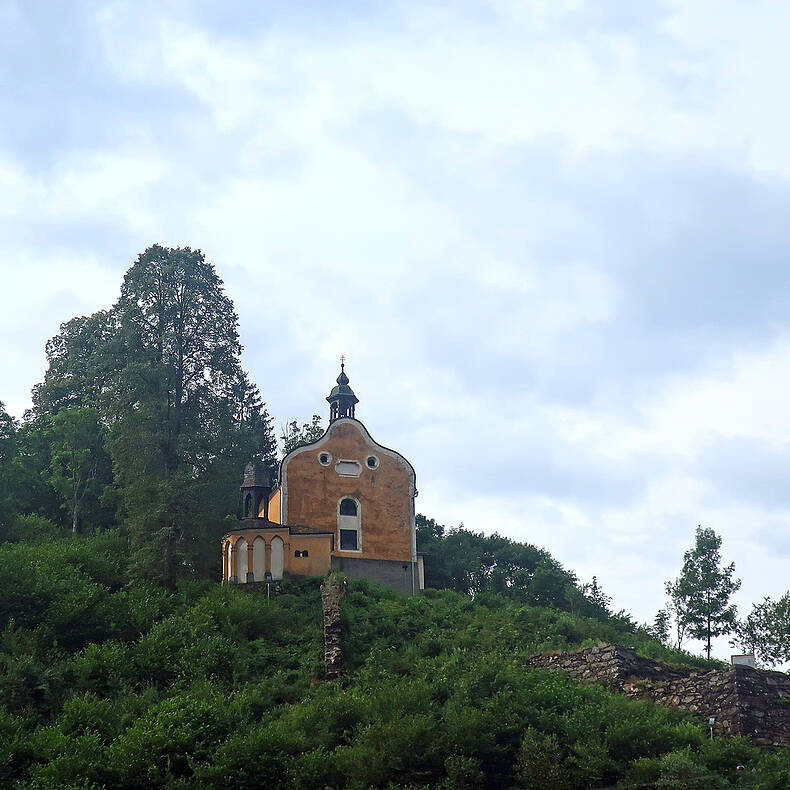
75, 506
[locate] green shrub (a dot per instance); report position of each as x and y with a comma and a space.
540, 763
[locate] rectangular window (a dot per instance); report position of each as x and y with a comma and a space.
348, 540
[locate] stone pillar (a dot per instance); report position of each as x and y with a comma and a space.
268, 566
232, 550
250, 562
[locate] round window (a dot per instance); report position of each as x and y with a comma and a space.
324, 459
372, 461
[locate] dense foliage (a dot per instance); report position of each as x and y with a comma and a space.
145, 419
473, 563
109, 680
766, 630
295, 435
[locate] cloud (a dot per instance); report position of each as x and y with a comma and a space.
549, 237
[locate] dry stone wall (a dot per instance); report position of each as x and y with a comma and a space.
743, 700
332, 590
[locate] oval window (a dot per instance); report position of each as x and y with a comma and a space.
324, 459
372, 462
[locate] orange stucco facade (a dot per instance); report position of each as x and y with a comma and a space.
302, 554
347, 463
274, 507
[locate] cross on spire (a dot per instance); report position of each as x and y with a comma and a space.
342, 399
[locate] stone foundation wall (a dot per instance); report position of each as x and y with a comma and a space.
396, 575
744, 701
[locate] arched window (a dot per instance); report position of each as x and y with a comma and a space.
348, 507
349, 525
248, 506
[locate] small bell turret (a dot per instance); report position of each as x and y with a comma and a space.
342, 399
255, 490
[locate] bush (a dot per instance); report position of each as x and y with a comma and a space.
540, 763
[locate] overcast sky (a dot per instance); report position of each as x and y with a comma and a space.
550, 237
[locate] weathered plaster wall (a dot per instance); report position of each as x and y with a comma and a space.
316, 563
318, 559
744, 701
311, 492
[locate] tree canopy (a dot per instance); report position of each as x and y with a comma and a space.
295, 435
700, 596
145, 417
79, 467
473, 563
766, 630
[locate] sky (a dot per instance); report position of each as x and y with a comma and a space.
549, 236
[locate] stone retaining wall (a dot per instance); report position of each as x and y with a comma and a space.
744, 701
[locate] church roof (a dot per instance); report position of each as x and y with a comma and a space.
256, 476
253, 524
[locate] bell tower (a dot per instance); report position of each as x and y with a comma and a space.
341, 399
255, 491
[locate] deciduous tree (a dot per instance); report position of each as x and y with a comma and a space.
79, 364
79, 467
661, 625
766, 631
184, 416
294, 435
700, 596
8, 452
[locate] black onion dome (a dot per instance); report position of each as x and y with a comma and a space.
342, 398
342, 390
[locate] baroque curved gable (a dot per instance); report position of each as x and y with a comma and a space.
327, 437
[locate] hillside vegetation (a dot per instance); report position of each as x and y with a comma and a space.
124, 664
108, 680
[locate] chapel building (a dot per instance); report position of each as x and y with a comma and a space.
343, 502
